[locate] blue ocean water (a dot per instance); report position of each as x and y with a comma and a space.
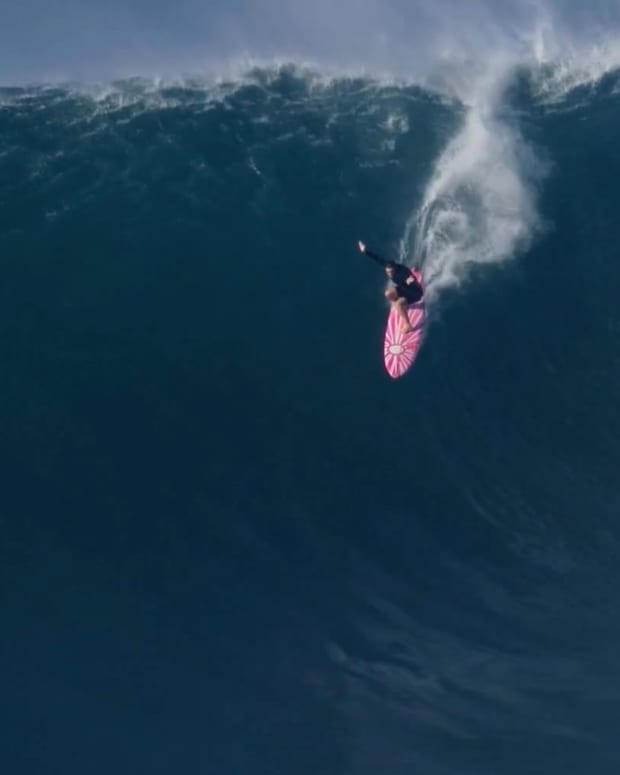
230, 543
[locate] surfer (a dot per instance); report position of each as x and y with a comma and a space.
405, 290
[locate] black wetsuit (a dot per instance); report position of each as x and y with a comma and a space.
412, 292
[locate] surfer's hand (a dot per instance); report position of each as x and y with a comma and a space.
362, 247
409, 280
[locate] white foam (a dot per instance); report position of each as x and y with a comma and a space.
563, 60
554, 80
479, 206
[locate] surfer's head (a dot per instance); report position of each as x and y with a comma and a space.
389, 268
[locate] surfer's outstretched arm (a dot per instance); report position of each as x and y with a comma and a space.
383, 262
372, 255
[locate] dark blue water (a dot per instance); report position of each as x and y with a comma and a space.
229, 542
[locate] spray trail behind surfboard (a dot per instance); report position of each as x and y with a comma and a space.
480, 203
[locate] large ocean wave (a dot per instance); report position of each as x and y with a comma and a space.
230, 542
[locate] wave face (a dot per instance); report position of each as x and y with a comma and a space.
231, 543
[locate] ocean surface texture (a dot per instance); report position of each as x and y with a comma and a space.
230, 543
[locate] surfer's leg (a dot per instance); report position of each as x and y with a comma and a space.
401, 307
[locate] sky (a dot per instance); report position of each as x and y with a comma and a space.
88, 40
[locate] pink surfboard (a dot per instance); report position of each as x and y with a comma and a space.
400, 350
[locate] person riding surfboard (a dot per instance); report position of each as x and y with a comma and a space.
405, 288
